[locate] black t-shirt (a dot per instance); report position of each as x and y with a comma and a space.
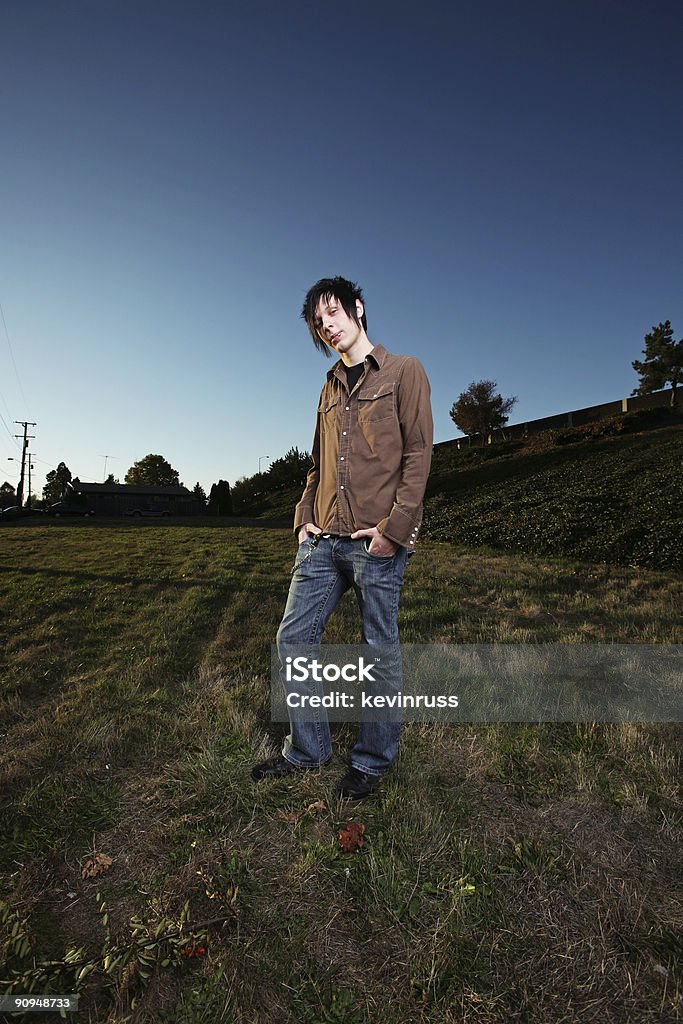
353, 375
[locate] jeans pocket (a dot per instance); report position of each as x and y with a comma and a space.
366, 547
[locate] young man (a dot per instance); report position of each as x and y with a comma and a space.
359, 516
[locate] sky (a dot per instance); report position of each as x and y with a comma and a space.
503, 180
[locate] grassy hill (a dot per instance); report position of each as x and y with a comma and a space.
608, 492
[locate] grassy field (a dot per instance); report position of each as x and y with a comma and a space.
509, 873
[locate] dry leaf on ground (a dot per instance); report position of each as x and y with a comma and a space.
96, 865
294, 816
351, 836
318, 805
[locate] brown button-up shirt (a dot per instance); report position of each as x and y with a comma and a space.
371, 451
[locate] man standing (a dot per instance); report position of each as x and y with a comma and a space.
359, 516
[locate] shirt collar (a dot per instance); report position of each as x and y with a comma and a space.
377, 354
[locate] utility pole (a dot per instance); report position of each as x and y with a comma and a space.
20, 489
30, 467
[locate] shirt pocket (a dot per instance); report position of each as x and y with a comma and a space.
328, 410
377, 403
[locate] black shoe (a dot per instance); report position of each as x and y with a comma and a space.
276, 768
357, 785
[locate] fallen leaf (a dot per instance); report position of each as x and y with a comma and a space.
351, 836
294, 816
96, 865
319, 805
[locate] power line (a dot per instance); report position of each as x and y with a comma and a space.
11, 352
5, 403
11, 435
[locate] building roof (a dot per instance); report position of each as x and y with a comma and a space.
107, 488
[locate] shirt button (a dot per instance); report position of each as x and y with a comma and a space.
342, 487
344, 433
341, 458
347, 408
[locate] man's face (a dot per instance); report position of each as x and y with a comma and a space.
335, 328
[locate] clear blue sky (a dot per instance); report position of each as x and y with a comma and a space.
504, 181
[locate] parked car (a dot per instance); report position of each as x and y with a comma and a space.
69, 508
147, 510
19, 511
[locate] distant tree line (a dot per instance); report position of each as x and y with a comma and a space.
155, 471
477, 412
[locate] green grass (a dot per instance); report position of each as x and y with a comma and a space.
509, 872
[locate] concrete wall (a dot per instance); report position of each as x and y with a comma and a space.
577, 417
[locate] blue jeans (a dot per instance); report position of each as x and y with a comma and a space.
323, 572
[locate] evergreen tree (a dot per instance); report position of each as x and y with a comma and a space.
663, 363
220, 499
289, 471
56, 484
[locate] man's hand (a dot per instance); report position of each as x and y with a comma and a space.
379, 545
307, 530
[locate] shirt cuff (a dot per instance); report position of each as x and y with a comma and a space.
401, 528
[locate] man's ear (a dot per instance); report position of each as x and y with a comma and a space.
359, 309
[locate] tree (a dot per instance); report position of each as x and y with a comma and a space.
289, 471
220, 499
8, 496
479, 410
663, 363
111, 479
154, 471
247, 490
56, 483
199, 493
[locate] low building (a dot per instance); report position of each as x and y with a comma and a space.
120, 499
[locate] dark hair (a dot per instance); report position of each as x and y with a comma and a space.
328, 288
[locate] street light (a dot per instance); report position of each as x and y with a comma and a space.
261, 458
